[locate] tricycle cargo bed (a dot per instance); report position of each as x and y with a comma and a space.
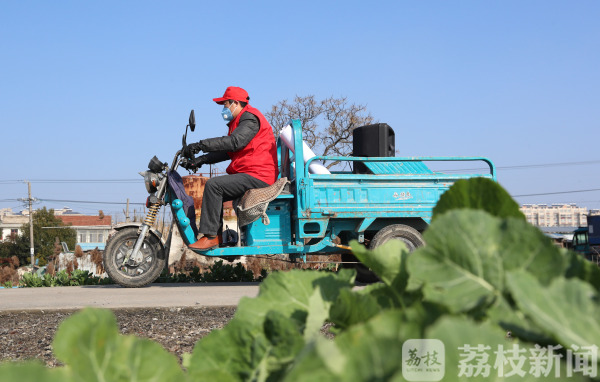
338, 205
391, 196
382, 194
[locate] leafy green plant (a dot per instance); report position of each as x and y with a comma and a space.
79, 277
62, 278
31, 280
220, 272
49, 281
217, 272
485, 279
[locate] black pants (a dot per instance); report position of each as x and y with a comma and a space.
223, 189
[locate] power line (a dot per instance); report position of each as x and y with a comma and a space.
556, 193
548, 165
87, 201
142, 204
74, 181
73, 201
526, 166
77, 181
138, 180
515, 167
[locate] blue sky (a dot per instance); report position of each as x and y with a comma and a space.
92, 90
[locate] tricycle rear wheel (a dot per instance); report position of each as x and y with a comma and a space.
408, 235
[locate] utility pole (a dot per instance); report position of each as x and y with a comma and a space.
30, 201
127, 212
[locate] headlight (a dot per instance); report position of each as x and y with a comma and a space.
151, 181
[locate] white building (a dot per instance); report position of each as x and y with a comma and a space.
11, 225
555, 215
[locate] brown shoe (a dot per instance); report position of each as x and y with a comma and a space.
204, 244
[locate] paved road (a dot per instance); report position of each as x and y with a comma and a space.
112, 296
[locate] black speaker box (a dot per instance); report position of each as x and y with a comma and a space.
376, 140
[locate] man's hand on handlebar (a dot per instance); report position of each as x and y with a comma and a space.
192, 164
191, 149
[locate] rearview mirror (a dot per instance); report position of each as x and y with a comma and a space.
192, 120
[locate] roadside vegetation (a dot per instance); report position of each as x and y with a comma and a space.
486, 285
218, 272
254, 270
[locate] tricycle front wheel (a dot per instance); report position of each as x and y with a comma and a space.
133, 274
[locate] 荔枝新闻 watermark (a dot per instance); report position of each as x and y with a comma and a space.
425, 360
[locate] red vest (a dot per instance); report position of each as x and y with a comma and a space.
259, 157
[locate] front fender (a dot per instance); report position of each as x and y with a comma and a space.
151, 231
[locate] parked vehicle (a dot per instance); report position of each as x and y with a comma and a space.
586, 240
320, 214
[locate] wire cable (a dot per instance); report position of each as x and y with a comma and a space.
556, 193
526, 166
88, 202
138, 180
73, 181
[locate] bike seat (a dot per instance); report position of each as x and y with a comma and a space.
254, 203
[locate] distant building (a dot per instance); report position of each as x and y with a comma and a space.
5, 211
11, 224
92, 230
555, 215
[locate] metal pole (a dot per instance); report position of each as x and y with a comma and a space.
30, 199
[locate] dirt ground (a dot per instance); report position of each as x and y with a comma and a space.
29, 334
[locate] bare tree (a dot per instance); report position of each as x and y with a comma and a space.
327, 124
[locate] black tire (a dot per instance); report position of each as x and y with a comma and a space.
408, 235
133, 276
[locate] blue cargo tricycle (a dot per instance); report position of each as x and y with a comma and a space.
303, 213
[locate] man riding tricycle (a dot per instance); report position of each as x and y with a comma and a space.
286, 202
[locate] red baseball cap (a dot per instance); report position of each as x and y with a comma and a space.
233, 93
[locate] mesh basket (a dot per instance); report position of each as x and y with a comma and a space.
254, 203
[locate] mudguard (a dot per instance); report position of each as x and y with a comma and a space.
152, 231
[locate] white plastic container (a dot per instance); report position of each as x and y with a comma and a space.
288, 138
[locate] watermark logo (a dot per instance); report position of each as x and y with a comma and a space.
507, 361
423, 360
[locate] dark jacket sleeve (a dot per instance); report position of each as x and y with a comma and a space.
214, 157
239, 138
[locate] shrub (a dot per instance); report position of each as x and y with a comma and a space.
8, 274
